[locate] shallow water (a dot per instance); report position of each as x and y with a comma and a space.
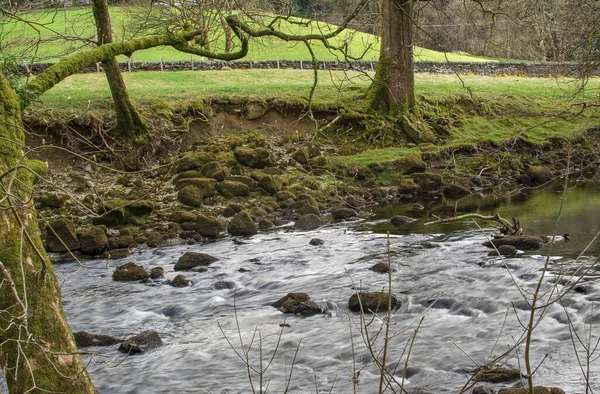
471, 304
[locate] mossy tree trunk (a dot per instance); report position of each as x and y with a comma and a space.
37, 349
393, 88
130, 124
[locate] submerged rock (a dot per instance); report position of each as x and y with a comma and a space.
497, 375
522, 242
130, 272
342, 213
399, 220
383, 268
504, 250
191, 260
298, 303
85, 339
180, 281
372, 301
141, 343
316, 242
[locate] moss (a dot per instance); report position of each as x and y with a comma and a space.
39, 169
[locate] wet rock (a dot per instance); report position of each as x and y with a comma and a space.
155, 240
121, 241
224, 285
182, 217
483, 390
129, 272
244, 270
118, 212
342, 213
371, 301
233, 189
85, 339
411, 163
521, 242
180, 281
116, 254
242, 225
51, 200
536, 390
504, 250
93, 240
141, 343
497, 375
61, 236
270, 184
316, 242
231, 210
453, 190
253, 158
427, 181
407, 190
399, 220
539, 174
265, 224
206, 185
308, 222
297, 303
209, 226
191, 260
157, 273
190, 196
382, 268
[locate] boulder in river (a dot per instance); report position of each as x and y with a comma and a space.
130, 272
192, 260
92, 240
382, 268
497, 375
536, 390
141, 343
209, 226
242, 225
504, 250
316, 242
308, 222
522, 242
180, 281
342, 213
298, 303
116, 254
399, 220
61, 236
157, 273
372, 301
85, 339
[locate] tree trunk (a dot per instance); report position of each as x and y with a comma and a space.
37, 349
130, 124
393, 88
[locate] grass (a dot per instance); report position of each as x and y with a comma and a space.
78, 22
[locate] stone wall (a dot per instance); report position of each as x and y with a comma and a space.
489, 69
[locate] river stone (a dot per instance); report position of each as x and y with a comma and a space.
224, 285
372, 301
246, 180
206, 185
209, 226
453, 190
342, 213
118, 212
193, 160
291, 302
504, 250
154, 240
85, 339
536, 390
116, 254
242, 225
232, 209
539, 174
93, 240
182, 217
483, 390
157, 273
51, 200
316, 242
497, 375
61, 236
233, 189
399, 220
265, 224
521, 242
214, 169
129, 272
180, 281
411, 163
253, 158
191, 260
141, 343
427, 181
190, 196
308, 222
382, 268
270, 184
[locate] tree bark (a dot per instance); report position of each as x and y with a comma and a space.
130, 124
393, 88
37, 349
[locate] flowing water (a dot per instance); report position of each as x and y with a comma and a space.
471, 304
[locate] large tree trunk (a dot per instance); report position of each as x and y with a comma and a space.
37, 349
130, 124
393, 88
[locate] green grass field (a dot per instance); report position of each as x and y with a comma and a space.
50, 25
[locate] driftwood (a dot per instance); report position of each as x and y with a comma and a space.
507, 228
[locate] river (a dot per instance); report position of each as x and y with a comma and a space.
471, 303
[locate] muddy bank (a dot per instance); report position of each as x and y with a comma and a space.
246, 167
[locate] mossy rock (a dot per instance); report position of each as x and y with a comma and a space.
246, 180
38, 168
242, 225
497, 375
342, 213
61, 236
206, 185
121, 242
427, 181
371, 301
129, 272
209, 226
539, 175
51, 200
408, 190
536, 390
192, 260
411, 163
253, 111
190, 196
141, 343
188, 174
233, 189
308, 222
214, 169
284, 195
301, 156
522, 242
118, 212
93, 240
193, 160
454, 191
253, 158
319, 162
271, 184
182, 217
232, 209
